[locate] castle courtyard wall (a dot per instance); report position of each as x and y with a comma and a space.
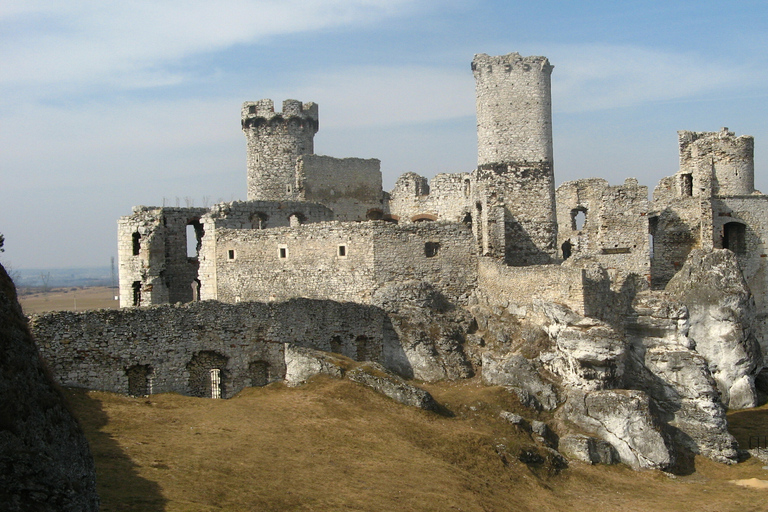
97, 349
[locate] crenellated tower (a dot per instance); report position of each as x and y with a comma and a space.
274, 141
514, 180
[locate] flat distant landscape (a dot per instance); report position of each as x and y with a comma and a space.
68, 299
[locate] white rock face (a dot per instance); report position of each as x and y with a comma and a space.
588, 354
303, 363
518, 374
720, 315
624, 419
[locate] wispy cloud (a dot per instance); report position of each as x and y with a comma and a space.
95, 41
597, 77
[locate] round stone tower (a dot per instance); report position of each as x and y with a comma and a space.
718, 163
514, 108
515, 181
275, 140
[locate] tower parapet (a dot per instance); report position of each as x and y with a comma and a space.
274, 141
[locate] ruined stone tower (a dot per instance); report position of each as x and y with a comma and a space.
275, 140
514, 182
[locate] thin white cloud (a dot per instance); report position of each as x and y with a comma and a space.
95, 41
597, 77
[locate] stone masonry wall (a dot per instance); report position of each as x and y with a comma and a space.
615, 223
447, 197
718, 162
520, 287
100, 349
304, 261
351, 187
154, 267
342, 261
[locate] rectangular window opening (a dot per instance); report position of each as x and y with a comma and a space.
342, 251
283, 252
231, 254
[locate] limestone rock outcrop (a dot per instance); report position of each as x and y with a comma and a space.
720, 315
429, 332
588, 354
518, 374
623, 418
45, 461
303, 363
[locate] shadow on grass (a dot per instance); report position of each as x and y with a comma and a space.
118, 483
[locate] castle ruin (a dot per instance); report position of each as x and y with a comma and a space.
321, 256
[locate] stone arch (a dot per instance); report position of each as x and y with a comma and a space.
735, 237
374, 214
200, 374
394, 219
362, 348
260, 373
139, 380
259, 220
422, 217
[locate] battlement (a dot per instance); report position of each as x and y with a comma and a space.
484, 64
254, 113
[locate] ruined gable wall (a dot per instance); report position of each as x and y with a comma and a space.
447, 197
752, 255
615, 229
94, 349
351, 187
152, 251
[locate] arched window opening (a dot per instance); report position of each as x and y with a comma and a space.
686, 185
336, 345
578, 218
136, 293
296, 219
374, 214
467, 219
734, 237
431, 249
362, 348
259, 220
208, 377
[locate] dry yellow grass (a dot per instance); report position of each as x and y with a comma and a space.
335, 445
69, 299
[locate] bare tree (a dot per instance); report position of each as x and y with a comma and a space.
45, 280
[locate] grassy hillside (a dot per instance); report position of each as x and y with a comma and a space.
334, 445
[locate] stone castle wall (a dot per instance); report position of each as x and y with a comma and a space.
447, 197
351, 187
719, 163
521, 287
615, 223
169, 348
341, 261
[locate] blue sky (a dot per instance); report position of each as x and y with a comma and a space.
106, 105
